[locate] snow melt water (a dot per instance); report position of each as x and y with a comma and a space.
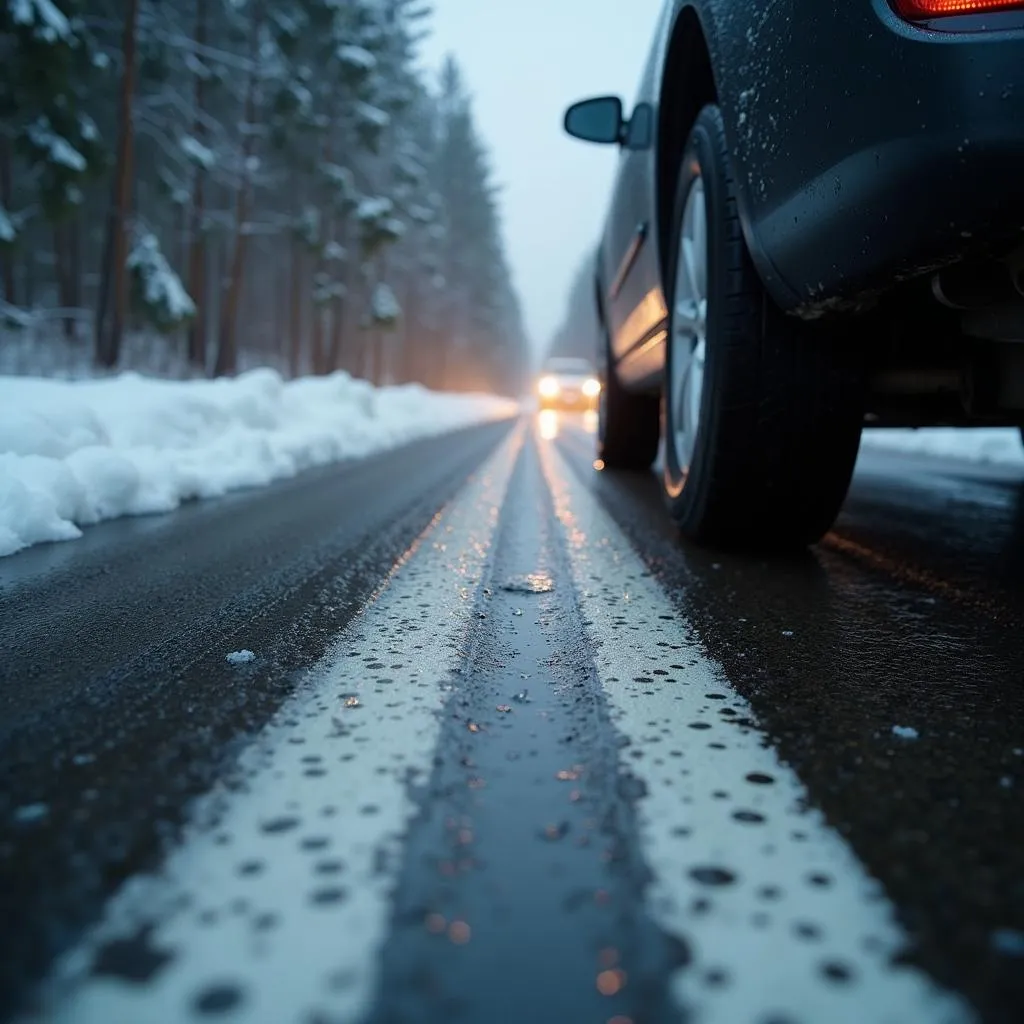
76, 453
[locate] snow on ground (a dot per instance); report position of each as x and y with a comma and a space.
991, 445
73, 453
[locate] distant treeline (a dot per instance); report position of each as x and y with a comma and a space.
580, 332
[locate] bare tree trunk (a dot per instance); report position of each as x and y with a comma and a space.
108, 341
62, 273
227, 342
29, 276
282, 310
337, 335
197, 278
74, 250
317, 341
338, 327
6, 192
441, 365
295, 311
197, 249
213, 286
59, 274
182, 222
103, 294
407, 351
318, 353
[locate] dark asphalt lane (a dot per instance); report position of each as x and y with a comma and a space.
527, 831
521, 885
908, 614
116, 702
952, 527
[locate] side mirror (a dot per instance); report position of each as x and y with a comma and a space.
596, 120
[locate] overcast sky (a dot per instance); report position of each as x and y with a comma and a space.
524, 61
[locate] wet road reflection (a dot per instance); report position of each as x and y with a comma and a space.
551, 423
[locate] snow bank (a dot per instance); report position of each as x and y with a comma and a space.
993, 445
75, 453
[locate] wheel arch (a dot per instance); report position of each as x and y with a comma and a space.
687, 86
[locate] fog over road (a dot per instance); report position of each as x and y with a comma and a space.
507, 749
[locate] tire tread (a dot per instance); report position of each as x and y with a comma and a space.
782, 423
631, 429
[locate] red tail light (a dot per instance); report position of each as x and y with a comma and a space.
924, 10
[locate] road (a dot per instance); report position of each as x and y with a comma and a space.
508, 750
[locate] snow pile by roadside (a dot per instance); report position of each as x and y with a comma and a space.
76, 453
992, 445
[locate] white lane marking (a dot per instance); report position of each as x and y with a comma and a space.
276, 904
783, 921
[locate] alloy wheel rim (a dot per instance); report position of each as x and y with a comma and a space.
689, 326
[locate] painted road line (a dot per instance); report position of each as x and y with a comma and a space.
274, 907
526, 842
783, 921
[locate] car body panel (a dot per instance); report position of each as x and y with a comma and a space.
933, 119
821, 147
635, 304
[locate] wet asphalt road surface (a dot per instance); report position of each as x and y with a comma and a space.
507, 749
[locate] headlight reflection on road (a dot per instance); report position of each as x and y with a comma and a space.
547, 423
550, 423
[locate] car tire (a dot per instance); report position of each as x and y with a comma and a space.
760, 449
628, 424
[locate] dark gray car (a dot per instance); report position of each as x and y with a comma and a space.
818, 222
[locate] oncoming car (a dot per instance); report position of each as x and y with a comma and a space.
817, 225
567, 383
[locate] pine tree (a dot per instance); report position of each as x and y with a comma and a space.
483, 331
49, 62
579, 333
114, 294
263, 181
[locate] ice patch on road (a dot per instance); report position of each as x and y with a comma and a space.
240, 657
984, 445
905, 732
30, 813
73, 453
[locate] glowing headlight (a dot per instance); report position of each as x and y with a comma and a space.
592, 387
548, 387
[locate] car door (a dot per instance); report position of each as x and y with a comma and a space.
633, 292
